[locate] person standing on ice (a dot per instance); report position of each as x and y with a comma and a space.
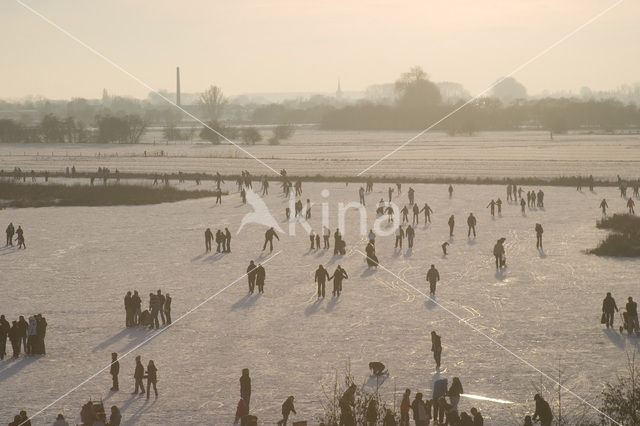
390, 193
630, 205
260, 277
208, 237
245, 387
138, 374
161, 299
604, 206
405, 214
10, 231
608, 306
436, 348
152, 378
251, 275
522, 205
498, 252
433, 276
452, 223
539, 232
167, 307
154, 307
399, 236
361, 194
326, 234
20, 234
427, 213
410, 233
416, 214
632, 316
227, 237
338, 275
411, 194
268, 238
450, 191
492, 204
114, 371
543, 411
128, 310
287, 409
405, 406
312, 239
477, 417
137, 304
471, 221
321, 277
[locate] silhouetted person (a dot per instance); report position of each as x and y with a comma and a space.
539, 232
543, 411
15, 339
245, 387
208, 237
338, 275
116, 417
499, 205
498, 252
347, 405
399, 236
405, 406
23, 328
268, 238
138, 376
427, 213
604, 206
630, 205
436, 348
114, 371
471, 221
405, 214
20, 234
452, 223
10, 232
152, 378
243, 195
325, 237
218, 196
287, 409
632, 315
522, 205
137, 304
312, 240
410, 233
219, 241
608, 306
160, 298
454, 392
444, 248
260, 277
321, 277
492, 205
154, 307
227, 238
411, 194
251, 275
450, 191
5, 327
433, 276
416, 214
167, 307
390, 193
361, 194
477, 417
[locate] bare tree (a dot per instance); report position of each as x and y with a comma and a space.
213, 102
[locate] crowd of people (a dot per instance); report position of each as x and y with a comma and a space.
159, 304
28, 336
222, 239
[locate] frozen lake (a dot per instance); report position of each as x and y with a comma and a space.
311, 152
545, 308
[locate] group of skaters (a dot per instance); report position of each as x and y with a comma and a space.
629, 316
139, 373
159, 304
28, 336
11, 231
321, 277
222, 239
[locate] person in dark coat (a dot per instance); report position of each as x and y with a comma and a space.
420, 413
347, 403
632, 315
477, 417
161, 300
167, 308
321, 277
128, 309
287, 409
219, 241
137, 304
436, 348
539, 232
372, 259
245, 387
471, 221
15, 339
452, 223
154, 307
10, 232
338, 275
454, 392
114, 371
23, 326
227, 238
260, 277
433, 276
251, 275
268, 238
208, 238
372, 412
138, 375
427, 213
543, 411
411, 234
5, 328
116, 417
152, 378
608, 306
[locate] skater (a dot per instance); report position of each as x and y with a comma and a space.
338, 275
410, 233
154, 307
245, 387
268, 238
492, 205
498, 252
219, 196
420, 413
608, 306
405, 214
433, 276
604, 206
128, 310
361, 194
416, 214
451, 223
499, 205
308, 210
219, 241
318, 241
152, 378
167, 307
390, 193
399, 236
312, 239
114, 371
390, 213
436, 348
10, 232
208, 237
539, 232
471, 221
444, 248
372, 260
450, 191
20, 234
632, 316
326, 234
630, 205
161, 299
138, 375
227, 238
427, 213
251, 275
543, 411
405, 406
287, 409
411, 194
321, 277
477, 417
136, 303
522, 205
243, 195
5, 328
260, 277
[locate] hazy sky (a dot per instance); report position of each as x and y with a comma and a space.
299, 45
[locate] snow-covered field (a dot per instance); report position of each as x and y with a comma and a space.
311, 151
545, 307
